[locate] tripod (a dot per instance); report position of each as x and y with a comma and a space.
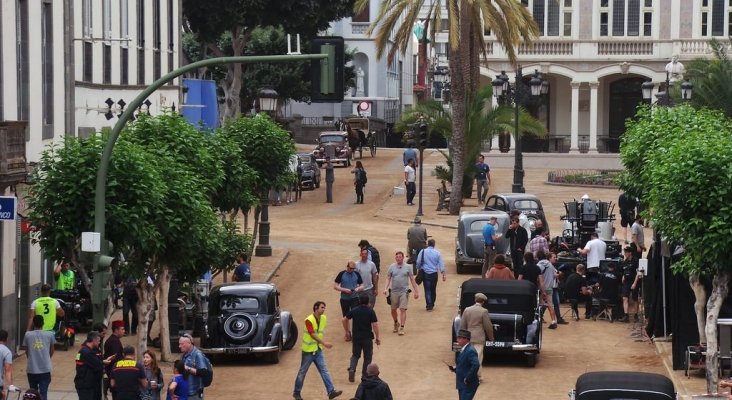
637, 329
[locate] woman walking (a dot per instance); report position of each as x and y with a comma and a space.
359, 181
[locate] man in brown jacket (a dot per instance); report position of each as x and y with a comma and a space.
477, 320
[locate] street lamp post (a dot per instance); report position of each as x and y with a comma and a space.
268, 104
519, 95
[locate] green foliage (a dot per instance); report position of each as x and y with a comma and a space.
712, 79
681, 157
262, 145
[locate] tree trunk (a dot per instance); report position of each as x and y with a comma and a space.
719, 293
460, 89
700, 296
232, 82
164, 282
145, 307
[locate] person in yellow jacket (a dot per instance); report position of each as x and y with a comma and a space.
65, 277
312, 351
47, 307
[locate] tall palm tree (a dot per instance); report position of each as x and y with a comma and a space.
482, 122
712, 79
508, 20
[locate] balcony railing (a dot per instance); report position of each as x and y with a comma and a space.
12, 152
547, 48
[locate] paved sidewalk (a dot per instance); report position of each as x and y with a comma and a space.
393, 207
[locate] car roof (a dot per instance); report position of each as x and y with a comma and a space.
334, 133
498, 286
482, 214
618, 384
253, 288
516, 196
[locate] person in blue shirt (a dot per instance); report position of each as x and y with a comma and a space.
243, 272
350, 284
430, 262
482, 178
409, 154
490, 235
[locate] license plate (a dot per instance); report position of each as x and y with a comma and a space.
479, 260
236, 351
499, 345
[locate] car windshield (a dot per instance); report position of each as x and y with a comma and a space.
332, 138
305, 158
526, 205
238, 303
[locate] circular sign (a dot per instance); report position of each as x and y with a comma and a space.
364, 106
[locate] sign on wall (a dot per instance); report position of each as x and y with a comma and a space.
8, 206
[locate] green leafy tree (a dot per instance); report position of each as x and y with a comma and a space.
681, 157
712, 79
510, 22
483, 121
225, 27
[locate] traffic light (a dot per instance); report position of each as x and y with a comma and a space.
326, 79
423, 138
101, 288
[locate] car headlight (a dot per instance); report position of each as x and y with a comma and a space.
337, 149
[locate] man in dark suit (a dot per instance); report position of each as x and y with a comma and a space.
466, 370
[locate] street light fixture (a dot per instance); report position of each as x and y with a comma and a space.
267, 103
519, 95
664, 98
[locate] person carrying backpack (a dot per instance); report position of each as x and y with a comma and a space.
373, 253
198, 367
359, 181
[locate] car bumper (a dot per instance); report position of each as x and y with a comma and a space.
239, 350
504, 346
332, 159
462, 258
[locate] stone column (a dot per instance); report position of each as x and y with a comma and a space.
574, 140
593, 117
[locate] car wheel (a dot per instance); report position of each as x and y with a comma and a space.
531, 359
291, 337
273, 357
240, 327
460, 267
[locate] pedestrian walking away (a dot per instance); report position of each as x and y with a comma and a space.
627, 205
364, 332
359, 181
39, 349
89, 369
398, 278
489, 240
6, 365
416, 239
243, 272
350, 284
313, 343
369, 276
482, 179
128, 378
430, 262
466, 368
47, 307
477, 321
410, 178
329, 179
372, 387
195, 364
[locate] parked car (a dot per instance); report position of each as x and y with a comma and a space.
245, 318
335, 145
310, 171
469, 244
515, 314
529, 204
622, 385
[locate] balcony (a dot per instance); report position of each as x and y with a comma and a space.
12, 152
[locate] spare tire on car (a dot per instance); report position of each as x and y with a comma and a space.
240, 327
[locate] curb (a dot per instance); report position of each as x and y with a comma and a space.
277, 266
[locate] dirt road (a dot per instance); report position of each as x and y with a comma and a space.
322, 237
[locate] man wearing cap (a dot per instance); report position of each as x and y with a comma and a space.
89, 369
416, 239
329, 179
128, 376
477, 321
113, 352
47, 307
467, 367
490, 235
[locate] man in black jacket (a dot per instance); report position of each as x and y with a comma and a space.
372, 387
89, 367
518, 239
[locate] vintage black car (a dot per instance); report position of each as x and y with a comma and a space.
310, 177
245, 318
607, 385
333, 144
515, 313
469, 243
528, 204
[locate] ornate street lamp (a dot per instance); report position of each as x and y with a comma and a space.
664, 98
519, 95
267, 103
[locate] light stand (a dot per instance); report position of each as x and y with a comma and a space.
519, 95
421, 163
267, 103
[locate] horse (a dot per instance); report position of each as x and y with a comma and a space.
356, 140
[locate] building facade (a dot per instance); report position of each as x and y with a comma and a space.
68, 68
383, 89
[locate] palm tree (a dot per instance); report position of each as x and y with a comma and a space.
482, 121
712, 79
508, 19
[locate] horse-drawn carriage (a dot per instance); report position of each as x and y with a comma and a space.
363, 131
